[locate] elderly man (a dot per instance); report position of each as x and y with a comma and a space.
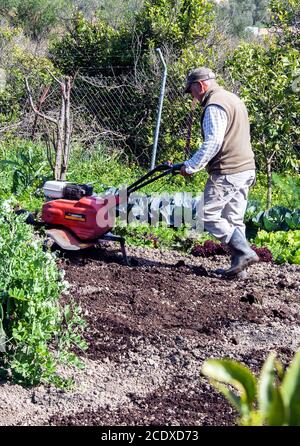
228, 157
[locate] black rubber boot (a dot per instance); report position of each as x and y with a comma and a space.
243, 255
222, 271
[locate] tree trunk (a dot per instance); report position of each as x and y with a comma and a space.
67, 129
60, 137
269, 176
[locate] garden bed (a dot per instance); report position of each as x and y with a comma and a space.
151, 326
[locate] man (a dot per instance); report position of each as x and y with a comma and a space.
227, 154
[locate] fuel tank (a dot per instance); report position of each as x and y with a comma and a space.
88, 218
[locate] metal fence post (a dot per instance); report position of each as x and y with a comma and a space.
160, 106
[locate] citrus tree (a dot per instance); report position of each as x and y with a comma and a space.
266, 73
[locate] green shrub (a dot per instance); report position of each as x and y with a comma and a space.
37, 333
265, 73
36, 17
27, 165
288, 186
101, 167
17, 61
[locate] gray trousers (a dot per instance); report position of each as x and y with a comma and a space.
225, 203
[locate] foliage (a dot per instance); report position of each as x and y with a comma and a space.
273, 219
289, 188
285, 19
180, 24
285, 246
88, 45
208, 249
159, 237
277, 218
266, 76
272, 400
292, 219
253, 208
280, 246
102, 167
28, 167
106, 169
264, 254
94, 48
112, 11
266, 73
36, 17
94, 45
18, 62
37, 332
243, 13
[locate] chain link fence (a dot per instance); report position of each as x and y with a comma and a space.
116, 112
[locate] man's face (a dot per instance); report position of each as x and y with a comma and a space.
197, 90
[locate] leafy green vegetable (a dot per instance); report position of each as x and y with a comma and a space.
36, 333
292, 219
278, 218
285, 246
258, 219
274, 218
270, 399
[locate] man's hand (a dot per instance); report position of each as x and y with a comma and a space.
184, 173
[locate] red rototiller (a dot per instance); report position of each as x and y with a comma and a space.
76, 218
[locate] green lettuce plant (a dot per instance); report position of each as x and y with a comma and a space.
285, 246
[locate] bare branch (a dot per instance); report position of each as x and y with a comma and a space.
37, 112
270, 158
53, 77
9, 127
39, 107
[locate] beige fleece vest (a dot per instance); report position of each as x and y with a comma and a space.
236, 154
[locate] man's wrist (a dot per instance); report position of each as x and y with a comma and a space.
190, 170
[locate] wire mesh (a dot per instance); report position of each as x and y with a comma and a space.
117, 111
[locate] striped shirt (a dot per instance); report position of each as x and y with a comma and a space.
214, 128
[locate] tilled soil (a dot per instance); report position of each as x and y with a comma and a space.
151, 326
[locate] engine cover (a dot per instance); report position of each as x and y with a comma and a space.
88, 218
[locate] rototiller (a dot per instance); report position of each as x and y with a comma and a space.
76, 218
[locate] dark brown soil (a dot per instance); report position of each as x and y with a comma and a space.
161, 408
172, 312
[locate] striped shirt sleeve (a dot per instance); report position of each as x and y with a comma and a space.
214, 128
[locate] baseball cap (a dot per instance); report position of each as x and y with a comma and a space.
199, 74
